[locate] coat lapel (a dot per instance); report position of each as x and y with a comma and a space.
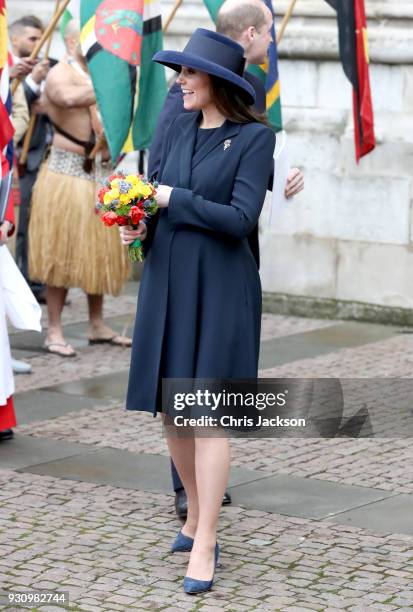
227, 131
188, 160
188, 138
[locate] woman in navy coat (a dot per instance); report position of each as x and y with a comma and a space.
200, 296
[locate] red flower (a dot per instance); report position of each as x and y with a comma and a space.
102, 193
122, 220
109, 218
136, 214
113, 177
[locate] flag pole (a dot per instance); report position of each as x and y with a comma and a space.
285, 20
49, 42
45, 36
30, 128
100, 143
171, 15
27, 141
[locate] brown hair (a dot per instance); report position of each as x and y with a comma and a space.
235, 21
30, 21
231, 102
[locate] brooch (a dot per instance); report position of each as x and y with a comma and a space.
227, 144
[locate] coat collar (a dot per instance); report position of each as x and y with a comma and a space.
188, 161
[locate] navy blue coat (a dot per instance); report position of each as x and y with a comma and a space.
174, 106
199, 309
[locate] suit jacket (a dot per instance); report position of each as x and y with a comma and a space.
200, 295
20, 114
173, 107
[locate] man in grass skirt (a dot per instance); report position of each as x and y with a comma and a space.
68, 244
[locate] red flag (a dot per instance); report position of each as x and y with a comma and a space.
352, 32
362, 103
4, 169
6, 127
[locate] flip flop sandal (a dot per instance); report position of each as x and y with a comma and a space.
48, 348
114, 341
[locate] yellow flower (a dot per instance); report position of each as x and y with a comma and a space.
124, 198
107, 198
132, 178
145, 190
133, 193
114, 183
114, 193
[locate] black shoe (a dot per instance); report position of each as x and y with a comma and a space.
181, 504
6, 434
226, 500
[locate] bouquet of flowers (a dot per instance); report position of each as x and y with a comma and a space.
127, 199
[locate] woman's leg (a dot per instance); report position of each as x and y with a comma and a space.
182, 450
212, 470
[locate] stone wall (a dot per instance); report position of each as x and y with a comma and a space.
349, 235
346, 241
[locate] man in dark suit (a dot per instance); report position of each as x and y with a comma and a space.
24, 35
249, 23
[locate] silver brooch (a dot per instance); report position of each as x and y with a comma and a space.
227, 144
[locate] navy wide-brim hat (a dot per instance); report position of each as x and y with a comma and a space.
213, 53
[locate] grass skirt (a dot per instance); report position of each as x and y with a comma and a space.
69, 246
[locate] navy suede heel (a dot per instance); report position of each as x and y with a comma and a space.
192, 586
182, 543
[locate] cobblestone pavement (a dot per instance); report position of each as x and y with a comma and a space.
108, 546
381, 464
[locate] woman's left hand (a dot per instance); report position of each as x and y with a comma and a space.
163, 193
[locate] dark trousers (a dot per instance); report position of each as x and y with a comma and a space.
177, 482
26, 183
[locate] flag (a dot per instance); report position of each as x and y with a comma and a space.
152, 81
71, 12
267, 72
213, 7
6, 126
119, 38
352, 32
3, 34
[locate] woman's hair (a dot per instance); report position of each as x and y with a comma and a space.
230, 101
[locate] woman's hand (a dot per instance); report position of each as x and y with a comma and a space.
128, 234
163, 193
295, 183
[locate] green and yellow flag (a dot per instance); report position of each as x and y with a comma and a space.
267, 72
152, 81
71, 12
119, 38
